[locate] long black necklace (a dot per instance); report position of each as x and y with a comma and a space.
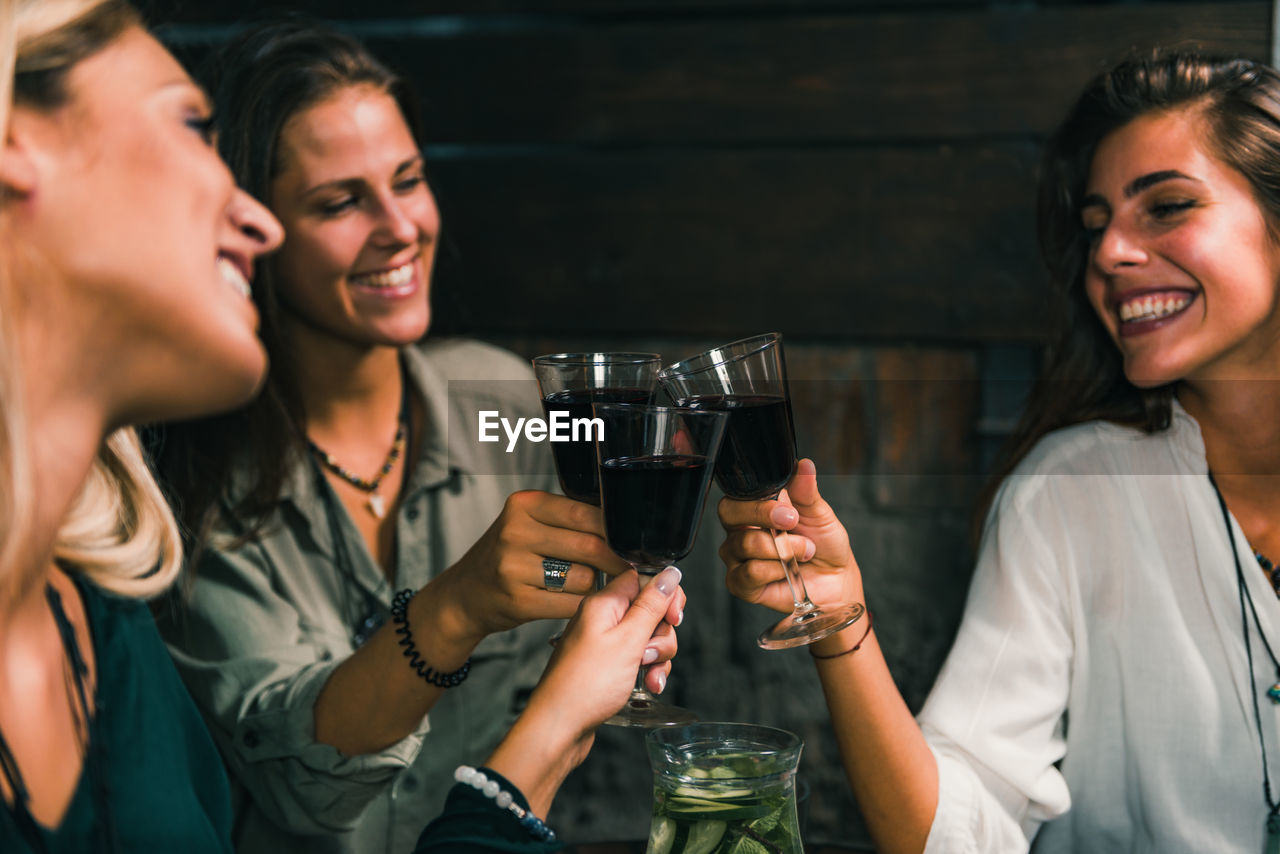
377, 614
1272, 842
94, 766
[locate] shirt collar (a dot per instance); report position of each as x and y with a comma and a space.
438, 453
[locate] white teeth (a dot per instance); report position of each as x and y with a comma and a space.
386, 279
1151, 308
232, 276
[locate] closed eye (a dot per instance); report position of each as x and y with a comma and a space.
1167, 209
204, 125
410, 183
336, 207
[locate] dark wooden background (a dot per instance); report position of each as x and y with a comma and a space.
671, 174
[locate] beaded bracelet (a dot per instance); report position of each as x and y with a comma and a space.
476, 779
400, 616
857, 646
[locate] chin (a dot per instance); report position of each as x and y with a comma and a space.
408, 330
1148, 376
231, 385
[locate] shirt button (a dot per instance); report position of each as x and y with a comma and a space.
251, 738
412, 514
409, 784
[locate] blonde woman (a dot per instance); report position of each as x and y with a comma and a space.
126, 252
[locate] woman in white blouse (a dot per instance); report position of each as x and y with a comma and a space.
1111, 686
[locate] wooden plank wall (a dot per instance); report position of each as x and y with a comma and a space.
670, 174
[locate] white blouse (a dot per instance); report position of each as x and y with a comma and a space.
1097, 697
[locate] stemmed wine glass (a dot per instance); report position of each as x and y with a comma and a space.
655, 471
748, 380
572, 382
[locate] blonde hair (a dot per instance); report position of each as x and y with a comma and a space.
119, 532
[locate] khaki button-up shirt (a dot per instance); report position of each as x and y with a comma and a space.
271, 619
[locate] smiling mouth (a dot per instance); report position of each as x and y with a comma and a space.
232, 275
394, 278
1149, 307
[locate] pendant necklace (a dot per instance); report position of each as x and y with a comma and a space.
375, 502
1271, 841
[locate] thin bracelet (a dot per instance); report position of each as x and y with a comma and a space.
476, 779
852, 649
400, 616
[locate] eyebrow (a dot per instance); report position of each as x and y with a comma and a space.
189, 84
348, 183
1136, 186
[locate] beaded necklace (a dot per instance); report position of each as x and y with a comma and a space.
375, 502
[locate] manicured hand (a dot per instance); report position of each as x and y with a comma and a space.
816, 537
499, 583
616, 630
590, 677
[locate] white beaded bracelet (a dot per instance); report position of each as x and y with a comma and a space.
504, 800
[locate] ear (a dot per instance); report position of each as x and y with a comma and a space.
17, 165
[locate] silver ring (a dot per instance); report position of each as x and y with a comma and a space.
554, 572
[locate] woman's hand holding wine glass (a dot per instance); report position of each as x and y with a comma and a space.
814, 535
590, 676
499, 583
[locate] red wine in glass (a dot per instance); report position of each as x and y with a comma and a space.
576, 460
572, 382
652, 505
758, 454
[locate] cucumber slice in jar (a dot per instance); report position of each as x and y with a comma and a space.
662, 833
704, 837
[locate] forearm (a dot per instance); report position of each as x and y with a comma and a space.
375, 698
890, 767
538, 754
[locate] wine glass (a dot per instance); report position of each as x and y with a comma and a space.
655, 470
748, 380
572, 382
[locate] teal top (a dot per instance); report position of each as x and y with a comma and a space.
165, 784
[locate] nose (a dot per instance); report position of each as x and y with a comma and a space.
253, 221
1118, 248
396, 222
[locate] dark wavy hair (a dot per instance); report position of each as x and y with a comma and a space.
1083, 379
259, 81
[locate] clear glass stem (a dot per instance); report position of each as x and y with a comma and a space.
804, 607
640, 694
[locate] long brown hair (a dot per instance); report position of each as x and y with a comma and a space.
1083, 379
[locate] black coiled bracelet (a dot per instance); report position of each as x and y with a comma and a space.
400, 616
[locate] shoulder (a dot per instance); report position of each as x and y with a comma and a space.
1081, 464
468, 359
124, 632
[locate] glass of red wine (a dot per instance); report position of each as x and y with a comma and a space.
571, 382
655, 466
748, 380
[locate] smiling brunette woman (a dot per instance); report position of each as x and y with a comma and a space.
1115, 680
123, 298
342, 498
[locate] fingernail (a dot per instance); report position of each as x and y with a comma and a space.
662, 682
784, 517
679, 617
809, 549
668, 580
650, 655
